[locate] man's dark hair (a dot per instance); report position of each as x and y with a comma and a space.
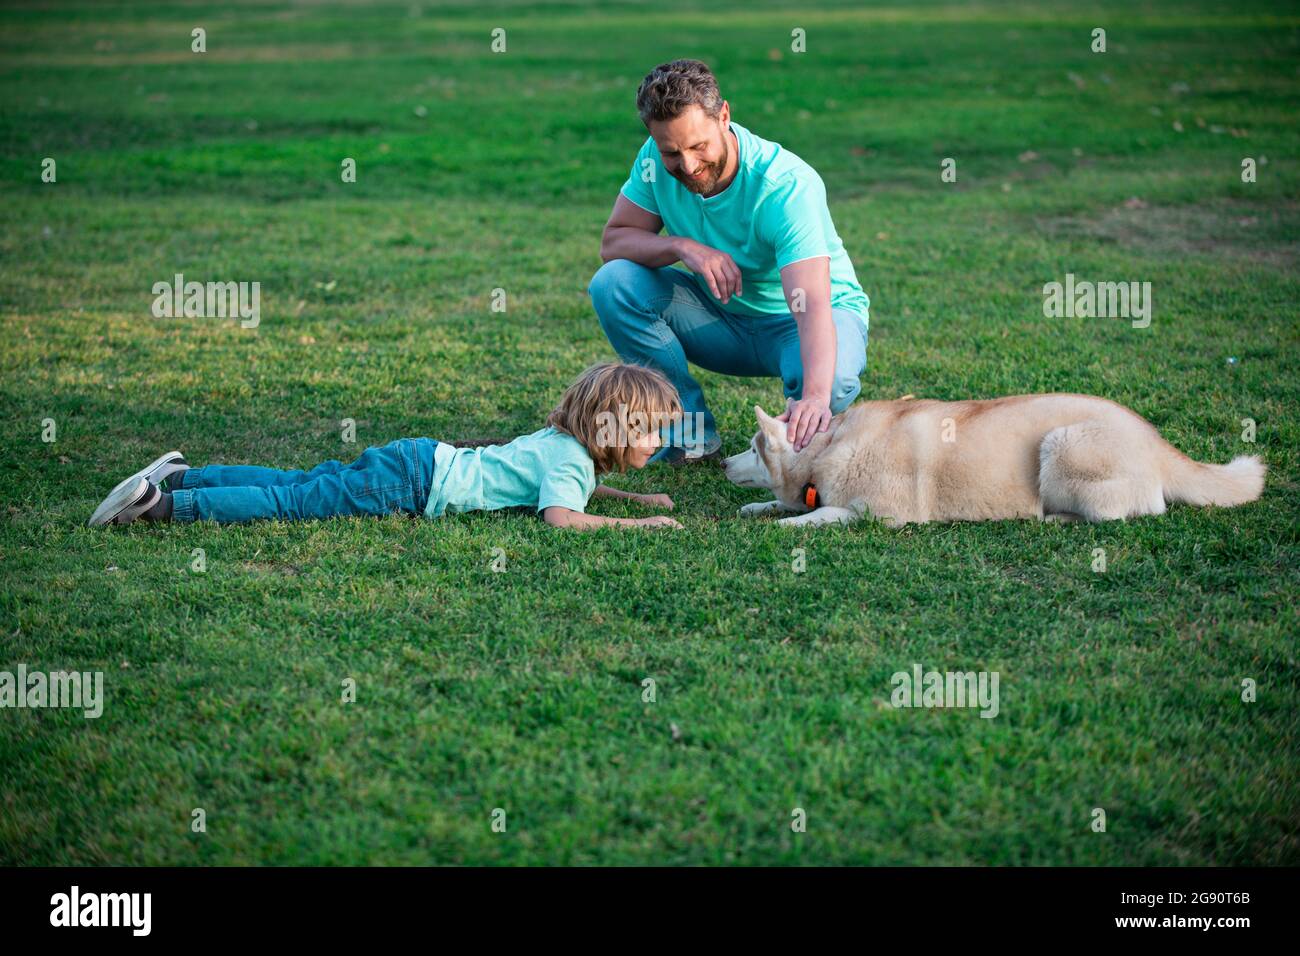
670, 89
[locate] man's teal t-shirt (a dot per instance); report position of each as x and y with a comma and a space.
773, 213
547, 468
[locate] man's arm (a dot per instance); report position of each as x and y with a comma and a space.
807, 286
633, 233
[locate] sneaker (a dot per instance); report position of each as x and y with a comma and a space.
125, 503
677, 456
161, 469
156, 472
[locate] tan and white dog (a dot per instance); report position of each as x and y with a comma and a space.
1051, 457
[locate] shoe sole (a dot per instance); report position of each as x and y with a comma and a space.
681, 461
713, 458
147, 471
665, 457
118, 500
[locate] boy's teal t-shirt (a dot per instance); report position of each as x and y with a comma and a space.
773, 213
547, 468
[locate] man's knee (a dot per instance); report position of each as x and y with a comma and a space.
611, 278
845, 390
849, 365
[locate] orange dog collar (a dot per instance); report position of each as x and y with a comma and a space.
810, 496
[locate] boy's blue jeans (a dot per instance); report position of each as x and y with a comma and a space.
384, 479
661, 318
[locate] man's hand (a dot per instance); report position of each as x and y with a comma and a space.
718, 269
806, 418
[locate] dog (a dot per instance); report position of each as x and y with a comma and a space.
1053, 457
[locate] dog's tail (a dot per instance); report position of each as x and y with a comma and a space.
1197, 483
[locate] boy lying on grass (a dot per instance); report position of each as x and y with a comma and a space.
607, 421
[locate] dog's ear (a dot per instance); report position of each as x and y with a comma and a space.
769, 425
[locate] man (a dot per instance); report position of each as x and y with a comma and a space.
770, 292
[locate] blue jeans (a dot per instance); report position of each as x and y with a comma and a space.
383, 480
661, 318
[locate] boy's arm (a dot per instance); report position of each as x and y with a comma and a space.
558, 517
658, 501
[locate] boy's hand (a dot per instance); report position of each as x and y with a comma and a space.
658, 521
656, 501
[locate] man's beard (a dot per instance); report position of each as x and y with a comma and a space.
712, 171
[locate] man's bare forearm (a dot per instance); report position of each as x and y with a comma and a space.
648, 248
817, 349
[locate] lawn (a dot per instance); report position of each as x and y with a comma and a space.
522, 688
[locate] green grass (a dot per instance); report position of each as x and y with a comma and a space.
522, 690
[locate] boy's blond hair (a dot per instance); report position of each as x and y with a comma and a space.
612, 404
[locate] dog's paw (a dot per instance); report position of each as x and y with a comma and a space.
756, 508
821, 516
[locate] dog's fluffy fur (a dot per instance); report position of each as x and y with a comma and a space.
1051, 457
